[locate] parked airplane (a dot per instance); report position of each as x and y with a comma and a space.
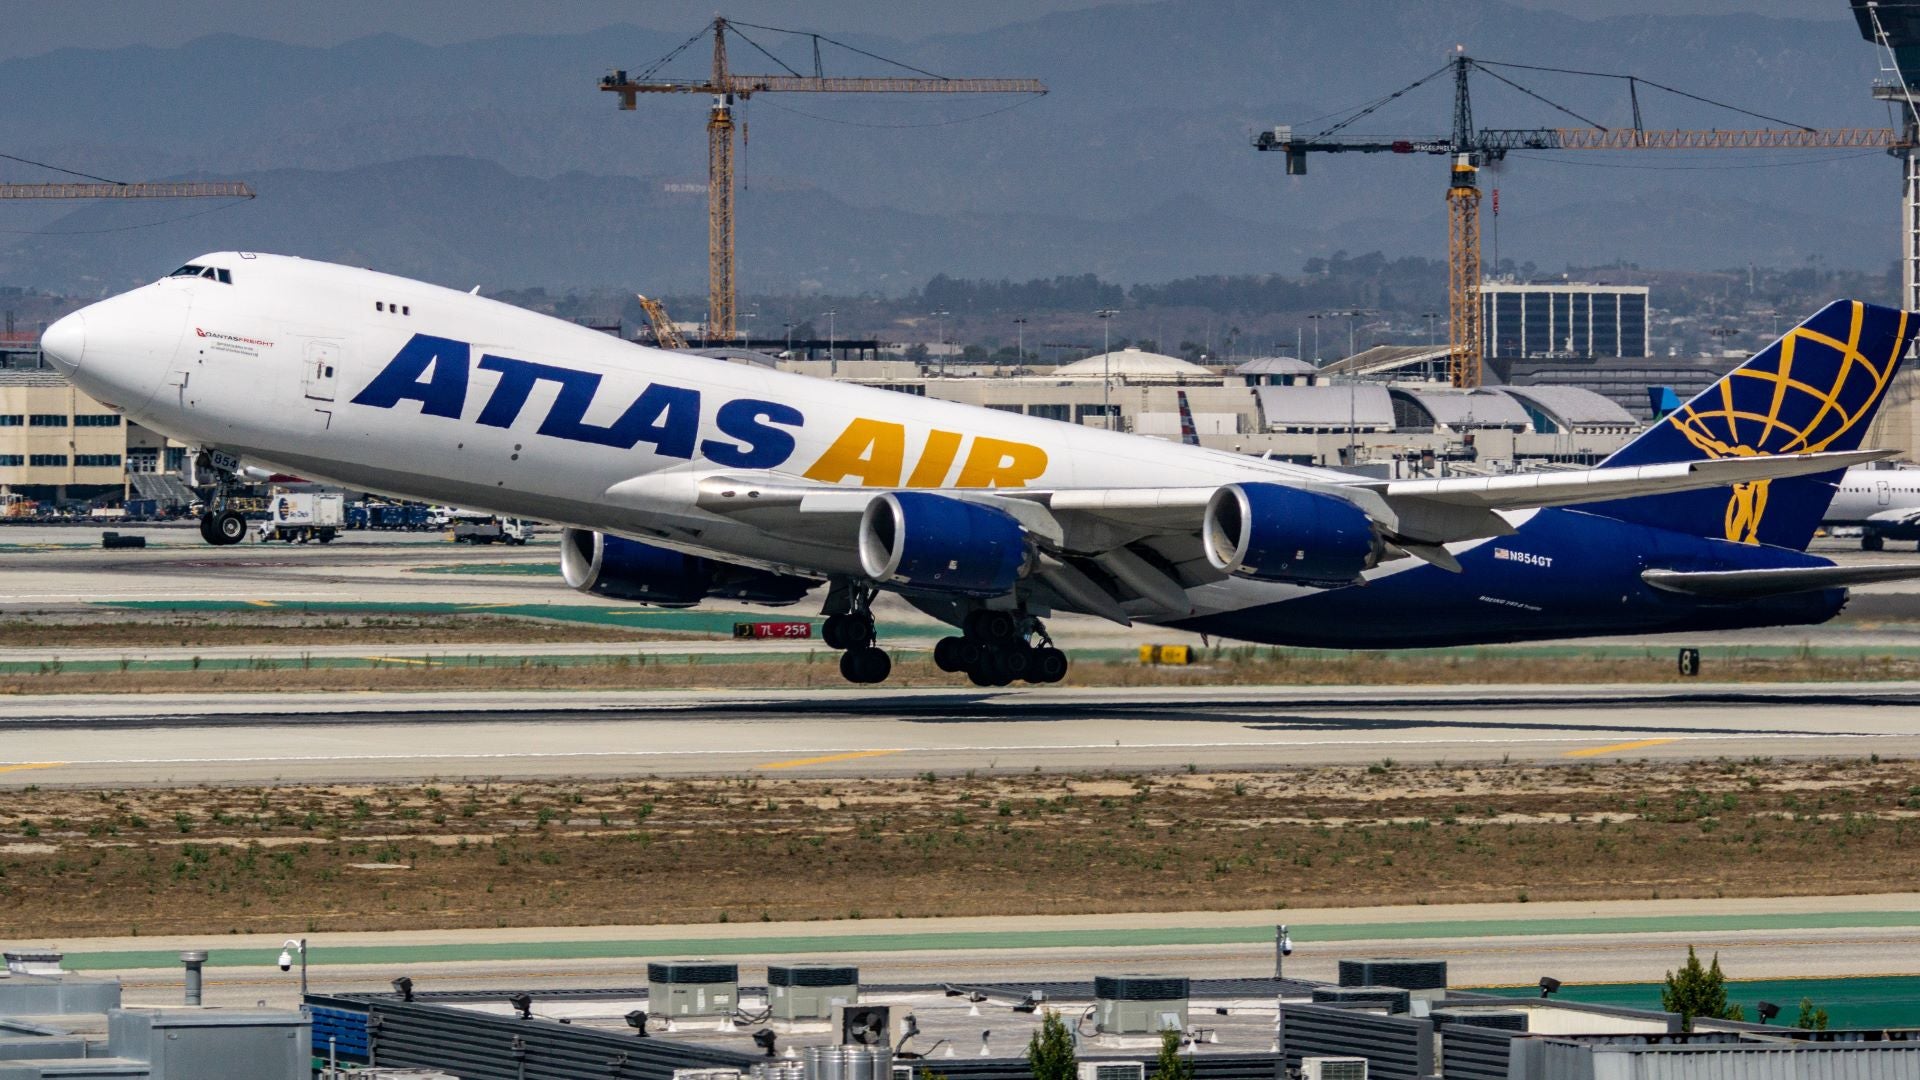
679, 477
1883, 503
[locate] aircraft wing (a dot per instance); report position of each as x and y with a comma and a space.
1753, 584
1122, 551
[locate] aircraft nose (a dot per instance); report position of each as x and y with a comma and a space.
65, 343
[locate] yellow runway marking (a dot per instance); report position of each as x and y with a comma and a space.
1617, 748
25, 765
263, 603
397, 660
798, 762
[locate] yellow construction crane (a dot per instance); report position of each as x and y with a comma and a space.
727, 87
1469, 149
665, 334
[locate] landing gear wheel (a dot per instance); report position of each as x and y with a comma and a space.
850, 631
865, 665
953, 653
990, 627
1872, 542
230, 527
206, 529
1049, 665
1017, 664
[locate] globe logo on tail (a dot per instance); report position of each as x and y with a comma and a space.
1813, 388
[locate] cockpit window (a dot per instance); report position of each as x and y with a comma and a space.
211, 273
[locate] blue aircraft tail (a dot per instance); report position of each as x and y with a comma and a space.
1815, 389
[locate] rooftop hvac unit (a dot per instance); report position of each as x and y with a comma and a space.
872, 1025
1333, 1068
677, 988
1395, 971
810, 991
1140, 1004
1113, 1070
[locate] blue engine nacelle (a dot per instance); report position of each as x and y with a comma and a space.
941, 544
1271, 532
622, 569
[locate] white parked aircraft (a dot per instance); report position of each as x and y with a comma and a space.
679, 477
1883, 503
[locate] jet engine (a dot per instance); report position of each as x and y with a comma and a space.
941, 544
622, 569
1271, 532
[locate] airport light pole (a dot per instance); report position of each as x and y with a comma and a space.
1315, 318
1020, 340
940, 337
833, 361
788, 327
1106, 365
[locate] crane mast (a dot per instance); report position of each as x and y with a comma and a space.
728, 88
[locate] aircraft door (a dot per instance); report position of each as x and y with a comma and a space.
1884, 491
321, 373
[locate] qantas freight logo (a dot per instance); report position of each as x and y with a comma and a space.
751, 433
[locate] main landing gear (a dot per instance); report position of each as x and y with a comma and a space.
998, 647
852, 631
220, 524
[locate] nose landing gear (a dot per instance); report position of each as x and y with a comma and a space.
219, 524
999, 647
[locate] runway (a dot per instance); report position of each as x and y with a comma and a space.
243, 739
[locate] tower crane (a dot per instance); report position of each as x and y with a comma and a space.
1470, 149
728, 87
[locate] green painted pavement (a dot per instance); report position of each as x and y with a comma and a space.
1017, 939
1870, 1002
642, 618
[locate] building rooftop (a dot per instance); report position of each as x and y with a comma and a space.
1134, 364
1573, 406
1348, 405
1276, 365
1463, 410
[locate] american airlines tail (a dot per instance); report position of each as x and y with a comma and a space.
1815, 389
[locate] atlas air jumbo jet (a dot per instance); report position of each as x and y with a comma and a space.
679, 478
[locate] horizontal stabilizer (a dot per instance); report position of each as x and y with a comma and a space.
1525, 491
1781, 581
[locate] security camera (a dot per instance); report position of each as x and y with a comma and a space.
286, 960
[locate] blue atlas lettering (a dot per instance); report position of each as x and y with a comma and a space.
516, 382
405, 378
751, 422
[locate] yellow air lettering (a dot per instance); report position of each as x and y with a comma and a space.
931, 470
999, 463
872, 450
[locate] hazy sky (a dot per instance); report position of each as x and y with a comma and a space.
34, 28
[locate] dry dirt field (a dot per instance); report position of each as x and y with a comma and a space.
214, 860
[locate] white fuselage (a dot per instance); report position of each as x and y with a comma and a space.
283, 363
1866, 492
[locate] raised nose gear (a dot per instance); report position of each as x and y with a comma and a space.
999, 647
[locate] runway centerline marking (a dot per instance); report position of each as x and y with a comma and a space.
1617, 748
799, 762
